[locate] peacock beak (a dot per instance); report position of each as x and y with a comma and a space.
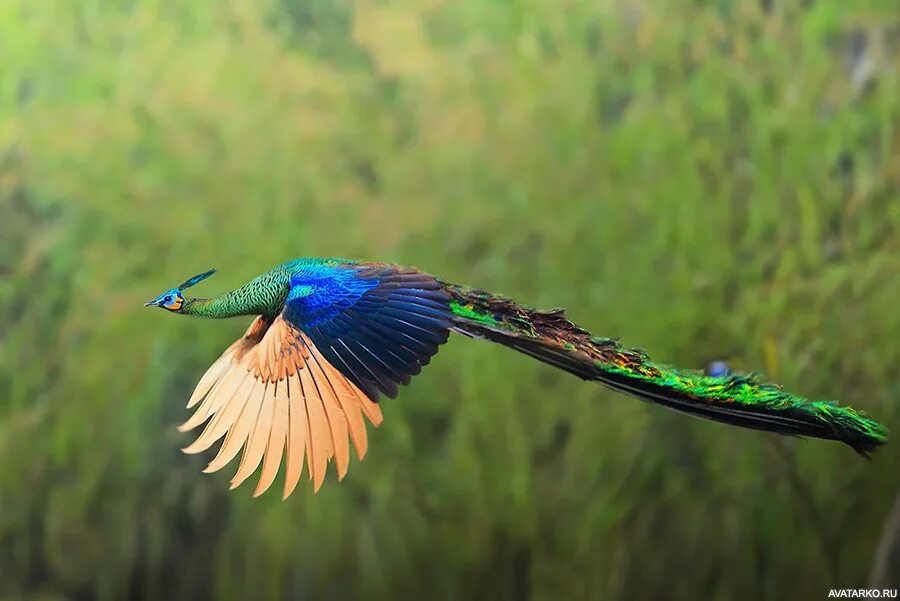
151, 303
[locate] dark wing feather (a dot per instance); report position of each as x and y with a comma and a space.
378, 324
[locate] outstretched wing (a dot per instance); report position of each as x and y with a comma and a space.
298, 385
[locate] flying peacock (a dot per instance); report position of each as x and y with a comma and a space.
332, 335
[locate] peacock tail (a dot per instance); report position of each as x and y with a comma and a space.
331, 336
745, 400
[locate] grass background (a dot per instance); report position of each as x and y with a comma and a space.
704, 179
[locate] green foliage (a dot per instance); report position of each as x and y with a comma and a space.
702, 179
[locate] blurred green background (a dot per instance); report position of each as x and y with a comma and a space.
704, 179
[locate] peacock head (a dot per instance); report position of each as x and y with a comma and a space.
173, 299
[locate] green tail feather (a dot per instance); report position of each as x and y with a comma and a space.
744, 400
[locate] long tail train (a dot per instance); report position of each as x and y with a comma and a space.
744, 400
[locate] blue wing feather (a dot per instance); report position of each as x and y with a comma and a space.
405, 343
377, 324
402, 346
399, 368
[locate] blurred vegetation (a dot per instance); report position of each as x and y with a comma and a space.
703, 179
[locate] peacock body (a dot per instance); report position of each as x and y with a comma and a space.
332, 335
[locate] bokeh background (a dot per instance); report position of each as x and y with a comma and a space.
705, 180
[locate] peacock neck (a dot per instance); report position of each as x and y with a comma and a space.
219, 307
264, 295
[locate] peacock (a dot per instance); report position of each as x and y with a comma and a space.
330, 336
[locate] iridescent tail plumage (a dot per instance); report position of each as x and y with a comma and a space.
744, 400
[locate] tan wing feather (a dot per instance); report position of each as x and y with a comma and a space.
297, 439
211, 377
355, 423
277, 439
337, 423
319, 437
221, 392
220, 381
217, 427
370, 408
239, 432
259, 437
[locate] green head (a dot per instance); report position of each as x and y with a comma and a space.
173, 299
